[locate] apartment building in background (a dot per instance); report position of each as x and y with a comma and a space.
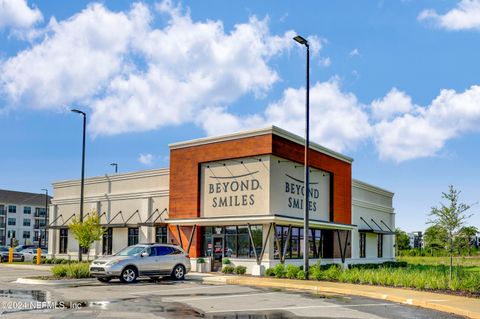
22, 216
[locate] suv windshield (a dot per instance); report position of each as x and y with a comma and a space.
131, 251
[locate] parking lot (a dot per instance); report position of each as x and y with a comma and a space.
186, 299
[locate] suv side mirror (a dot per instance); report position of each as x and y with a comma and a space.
144, 254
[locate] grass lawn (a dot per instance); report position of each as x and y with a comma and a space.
471, 263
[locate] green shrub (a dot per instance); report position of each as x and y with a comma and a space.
240, 270
279, 271
291, 271
228, 269
270, 272
78, 270
226, 261
301, 274
59, 271
200, 260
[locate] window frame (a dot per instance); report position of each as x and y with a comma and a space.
379, 245
132, 236
63, 241
363, 245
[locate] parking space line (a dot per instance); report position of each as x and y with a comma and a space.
219, 297
174, 290
302, 307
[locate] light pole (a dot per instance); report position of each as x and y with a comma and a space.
46, 214
82, 185
116, 167
306, 247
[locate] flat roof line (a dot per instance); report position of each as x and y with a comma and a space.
272, 129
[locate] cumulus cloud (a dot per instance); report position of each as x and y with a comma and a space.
465, 16
338, 120
17, 14
423, 131
141, 78
74, 61
146, 159
394, 103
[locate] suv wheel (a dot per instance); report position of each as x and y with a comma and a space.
128, 275
178, 272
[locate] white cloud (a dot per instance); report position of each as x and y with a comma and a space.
354, 52
423, 131
141, 78
146, 159
18, 15
74, 61
394, 103
337, 119
466, 15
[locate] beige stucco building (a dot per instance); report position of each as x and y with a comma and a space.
238, 196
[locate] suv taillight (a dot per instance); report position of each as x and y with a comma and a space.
187, 256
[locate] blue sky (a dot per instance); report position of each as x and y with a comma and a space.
394, 85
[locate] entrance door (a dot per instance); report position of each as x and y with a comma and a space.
217, 252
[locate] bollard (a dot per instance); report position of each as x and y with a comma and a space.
10, 255
39, 255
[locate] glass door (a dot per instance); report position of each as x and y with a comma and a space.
217, 241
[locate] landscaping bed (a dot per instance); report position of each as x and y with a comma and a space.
423, 277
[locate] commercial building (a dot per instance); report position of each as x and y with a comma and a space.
22, 216
238, 196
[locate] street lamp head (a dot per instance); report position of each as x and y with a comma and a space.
78, 111
113, 164
301, 40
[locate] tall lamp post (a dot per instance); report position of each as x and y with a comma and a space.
116, 167
46, 214
306, 247
82, 185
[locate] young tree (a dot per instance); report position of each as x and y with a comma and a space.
88, 231
402, 241
450, 217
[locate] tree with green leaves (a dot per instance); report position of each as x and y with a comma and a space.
465, 237
402, 241
88, 231
434, 238
451, 217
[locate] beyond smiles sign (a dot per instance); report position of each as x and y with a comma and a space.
260, 186
234, 190
295, 190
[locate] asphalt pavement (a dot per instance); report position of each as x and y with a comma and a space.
185, 299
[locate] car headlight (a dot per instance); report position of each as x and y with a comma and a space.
113, 262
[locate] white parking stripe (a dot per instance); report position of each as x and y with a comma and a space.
301, 307
218, 297
173, 290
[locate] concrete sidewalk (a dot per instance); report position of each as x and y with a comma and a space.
463, 306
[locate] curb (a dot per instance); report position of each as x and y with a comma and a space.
26, 266
299, 285
28, 281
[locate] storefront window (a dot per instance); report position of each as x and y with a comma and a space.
295, 242
132, 236
161, 234
63, 241
237, 243
380, 245
107, 241
363, 240
231, 242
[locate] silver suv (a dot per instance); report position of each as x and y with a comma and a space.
150, 260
